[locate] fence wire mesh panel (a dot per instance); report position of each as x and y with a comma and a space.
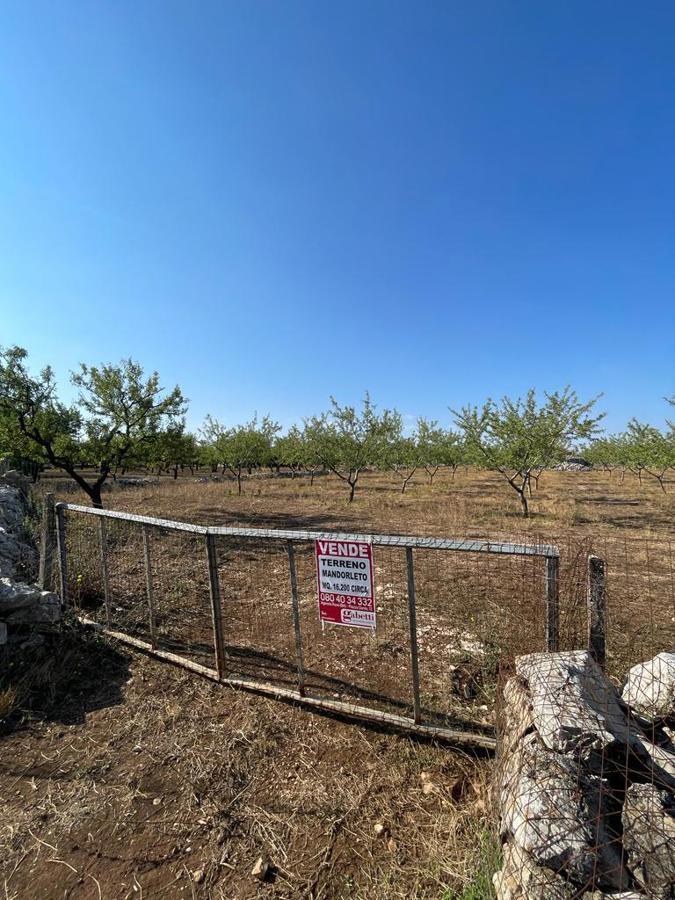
256, 613
360, 665
85, 579
243, 604
640, 599
472, 611
180, 594
587, 779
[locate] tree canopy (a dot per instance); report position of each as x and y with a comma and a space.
519, 437
118, 411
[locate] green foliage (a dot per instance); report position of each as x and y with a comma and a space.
169, 449
640, 449
244, 447
439, 447
122, 418
519, 437
347, 440
117, 413
480, 886
290, 450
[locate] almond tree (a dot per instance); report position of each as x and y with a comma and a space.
347, 440
519, 436
289, 451
243, 447
117, 412
648, 450
406, 458
438, 447
171, 449
605, 452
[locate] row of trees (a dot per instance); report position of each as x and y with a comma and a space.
122, 419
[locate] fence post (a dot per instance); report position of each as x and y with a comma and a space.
47, 542
61, 548
552, 603
214, 591
148, 586
296, 619
103, 543
596, 609
412, 621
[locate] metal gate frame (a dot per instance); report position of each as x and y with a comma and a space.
415, 725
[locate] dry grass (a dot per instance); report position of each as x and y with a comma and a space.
7, 703
177, 786
476, 503
139, 780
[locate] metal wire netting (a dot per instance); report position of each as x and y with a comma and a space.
477, 609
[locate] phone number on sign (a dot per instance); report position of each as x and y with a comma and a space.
342, 600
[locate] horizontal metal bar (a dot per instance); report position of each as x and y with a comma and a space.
131, 517
452, 735
378, 540
392, 540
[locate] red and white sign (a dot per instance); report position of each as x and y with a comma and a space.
344, 571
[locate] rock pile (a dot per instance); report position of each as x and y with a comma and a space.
573, 464
24, 608
587, 781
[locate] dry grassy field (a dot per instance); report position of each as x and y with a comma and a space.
126, 777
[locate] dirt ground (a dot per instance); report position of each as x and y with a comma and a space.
141, 780
473, 503
121, 776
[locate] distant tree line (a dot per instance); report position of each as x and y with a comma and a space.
124, 420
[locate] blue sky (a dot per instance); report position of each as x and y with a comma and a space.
272, 202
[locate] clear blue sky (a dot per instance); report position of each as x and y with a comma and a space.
270, 202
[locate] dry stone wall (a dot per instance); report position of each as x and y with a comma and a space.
25, 609
587, 781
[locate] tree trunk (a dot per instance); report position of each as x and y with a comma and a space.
94, 491
175, 473
523, 503
239, 482
311, 478
406, 480
352, 488
431, 474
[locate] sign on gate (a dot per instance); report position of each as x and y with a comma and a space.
344, 571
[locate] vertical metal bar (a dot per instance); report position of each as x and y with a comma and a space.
296, 618
214, 590
412, 620
552, 604
47, 540
148, 585
103, 542
61, 547
596, 609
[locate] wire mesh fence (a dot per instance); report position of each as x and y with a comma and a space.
587, 779
586, 740
586, 775
242, 603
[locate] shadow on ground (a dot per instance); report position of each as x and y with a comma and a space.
73, 673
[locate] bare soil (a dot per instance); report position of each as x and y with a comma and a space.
141, 780
125, 777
